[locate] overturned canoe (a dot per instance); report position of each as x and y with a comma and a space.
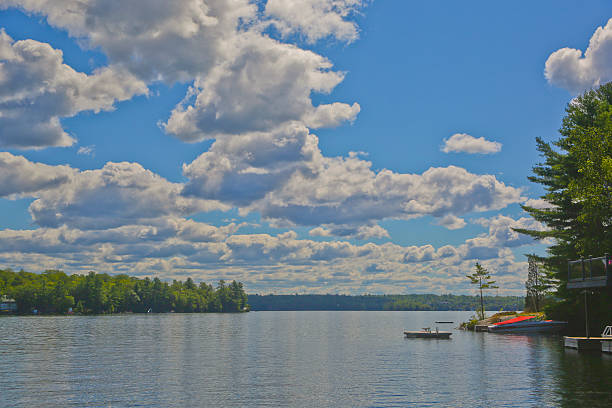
527, 324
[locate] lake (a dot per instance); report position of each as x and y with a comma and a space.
303, 359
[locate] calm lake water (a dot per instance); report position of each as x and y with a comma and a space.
309, 359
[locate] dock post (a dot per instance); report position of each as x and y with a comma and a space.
586, 313
608, 269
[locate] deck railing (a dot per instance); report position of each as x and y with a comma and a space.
591, 272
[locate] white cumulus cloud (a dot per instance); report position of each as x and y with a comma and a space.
464, 143
37, 89
252, 93
452, 222
261, 85
242, 79
362, 232
20, 177
538, 203
501, 233
86, 150
174, 247
284, 176
162, 40
118, 194
569, 68
315, 19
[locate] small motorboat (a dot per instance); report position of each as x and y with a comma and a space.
527, 324
427, 333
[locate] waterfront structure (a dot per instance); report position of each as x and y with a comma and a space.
590, 273
586, 274
7, 305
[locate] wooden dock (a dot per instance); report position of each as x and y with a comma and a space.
588, 343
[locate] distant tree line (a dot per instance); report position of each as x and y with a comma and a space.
383, 302
54, 292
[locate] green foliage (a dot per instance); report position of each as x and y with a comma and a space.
382, 302
577, 177
482, 278
470, 324
54, 292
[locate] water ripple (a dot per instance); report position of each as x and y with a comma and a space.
271, 359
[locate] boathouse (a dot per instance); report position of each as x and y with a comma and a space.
7, 305
587, 274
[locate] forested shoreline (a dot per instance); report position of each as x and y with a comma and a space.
55, 292
382, 302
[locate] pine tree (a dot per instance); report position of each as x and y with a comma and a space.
577, 176
482, 278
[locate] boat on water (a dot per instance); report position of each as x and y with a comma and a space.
427, 333
527, 324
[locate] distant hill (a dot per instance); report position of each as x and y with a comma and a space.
382, 302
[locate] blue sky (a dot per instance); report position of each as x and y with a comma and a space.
329, 146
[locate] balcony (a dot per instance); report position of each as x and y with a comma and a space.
589, 273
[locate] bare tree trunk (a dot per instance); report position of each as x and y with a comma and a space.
537, 293
482, 315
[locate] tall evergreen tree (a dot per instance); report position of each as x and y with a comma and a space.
577, 177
